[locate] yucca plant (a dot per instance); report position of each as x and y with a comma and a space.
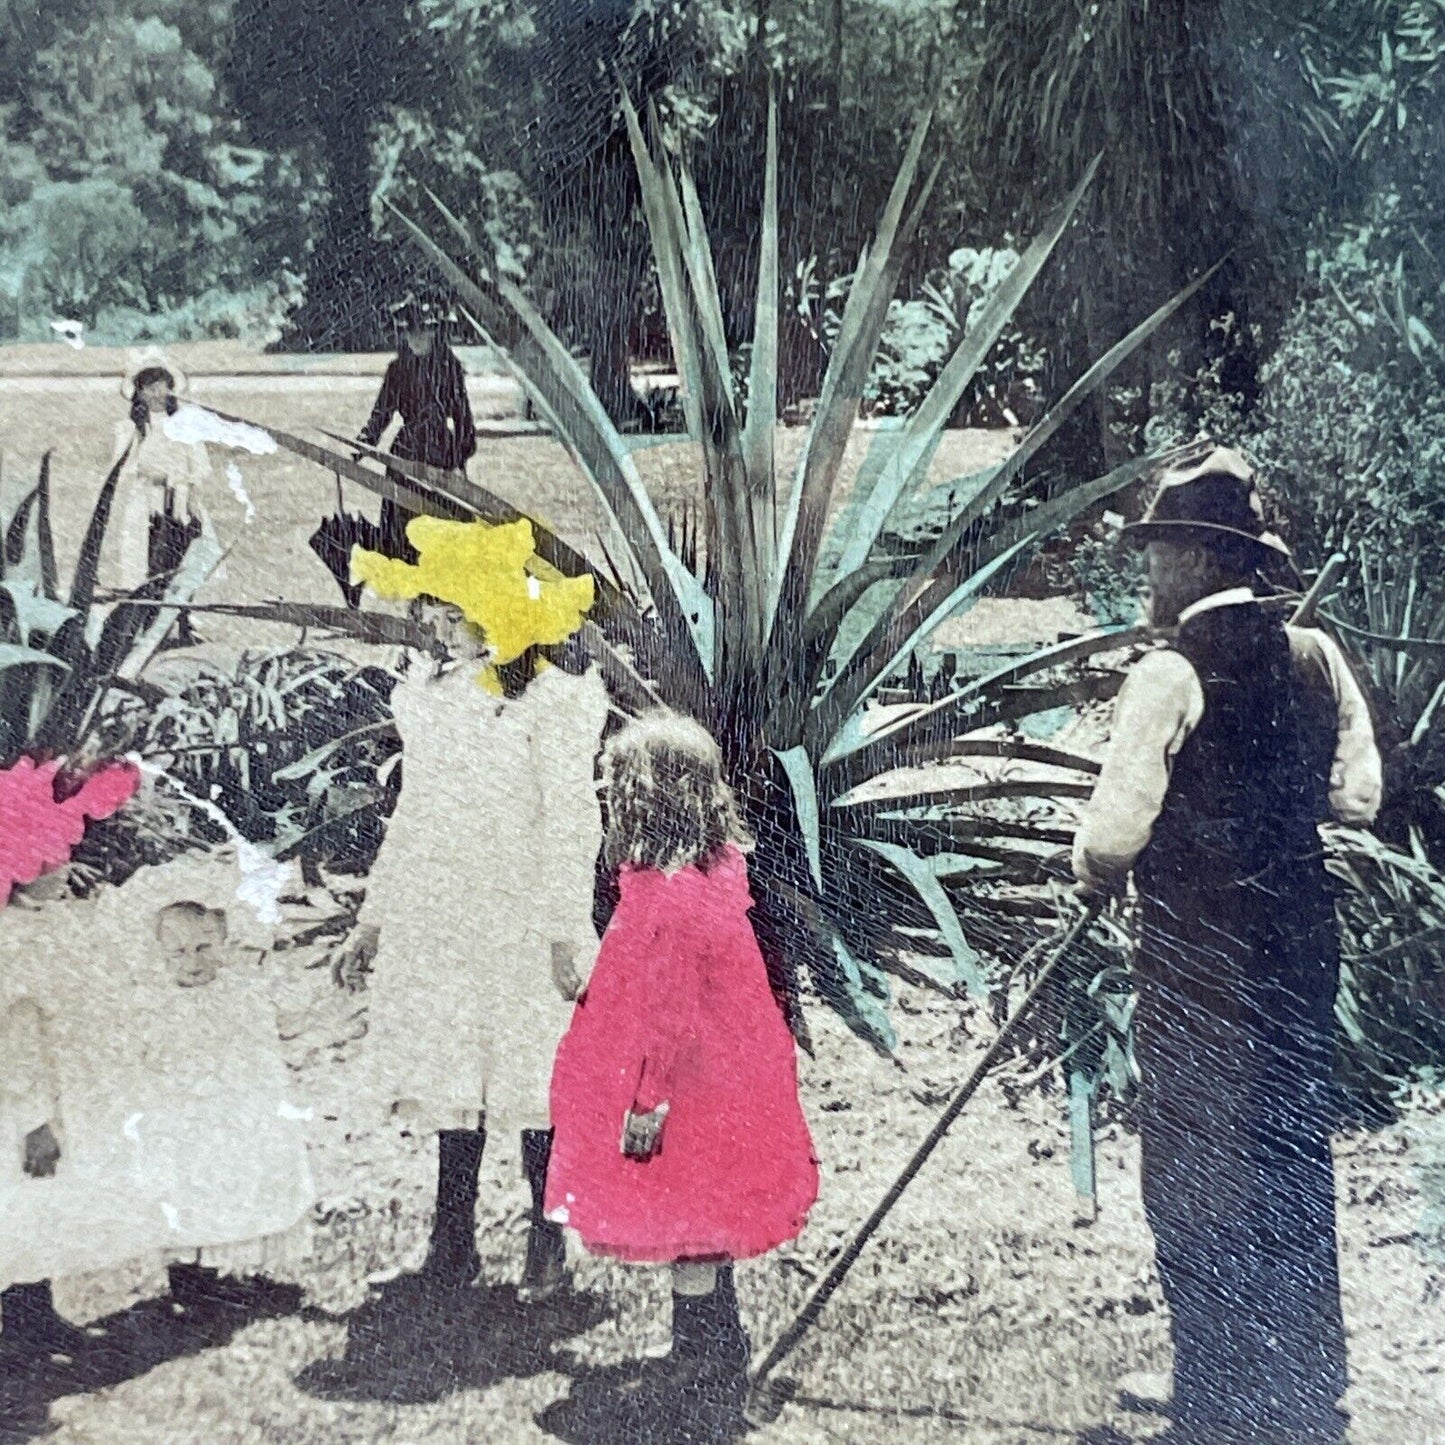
66, 649
780, 630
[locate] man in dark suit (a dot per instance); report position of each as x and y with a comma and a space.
1230, 745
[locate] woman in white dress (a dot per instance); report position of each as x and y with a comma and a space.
477, 924
159, 503
144, 1107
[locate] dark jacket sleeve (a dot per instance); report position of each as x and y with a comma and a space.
385, 408
464, 428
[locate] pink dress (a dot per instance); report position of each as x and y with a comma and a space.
678, 1008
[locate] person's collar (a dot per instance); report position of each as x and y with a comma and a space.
1230, 597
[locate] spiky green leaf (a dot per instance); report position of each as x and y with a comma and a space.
903, 627
798, 767
87, 563
927, 734
906, 454
858, 1004
800, 527
759, 428
968, 968
34, 612
14, 655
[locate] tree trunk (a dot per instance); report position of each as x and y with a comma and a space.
348, 280
835, 59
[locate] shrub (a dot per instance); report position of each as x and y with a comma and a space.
1349, 426
297, 748
1107, 576
920, 334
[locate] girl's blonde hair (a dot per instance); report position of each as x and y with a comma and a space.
667, 802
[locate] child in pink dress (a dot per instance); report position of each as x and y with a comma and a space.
679, 1136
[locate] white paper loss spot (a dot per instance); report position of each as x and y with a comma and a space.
237, 485
195, 424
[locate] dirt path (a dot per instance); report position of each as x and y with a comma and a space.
75, 418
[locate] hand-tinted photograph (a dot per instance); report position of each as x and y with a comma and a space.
722, 720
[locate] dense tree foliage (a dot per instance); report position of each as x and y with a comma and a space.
132, 199
202, 167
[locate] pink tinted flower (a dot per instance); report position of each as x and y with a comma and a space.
38, 834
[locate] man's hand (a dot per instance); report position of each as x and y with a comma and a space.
565, 973
42, 1152
642, 1134
1101, 890
354, 962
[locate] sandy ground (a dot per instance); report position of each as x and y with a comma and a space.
74, 417
980, 1313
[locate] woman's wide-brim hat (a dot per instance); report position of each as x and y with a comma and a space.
1208, 494
423, 308
137, 361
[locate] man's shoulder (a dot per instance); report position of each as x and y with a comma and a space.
1161, 693
1162, 666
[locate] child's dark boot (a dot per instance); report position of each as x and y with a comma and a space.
706, 1375
545, 1271
453, 1260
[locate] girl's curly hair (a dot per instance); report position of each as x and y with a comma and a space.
668, 804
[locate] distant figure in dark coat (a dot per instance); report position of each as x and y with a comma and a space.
427, 387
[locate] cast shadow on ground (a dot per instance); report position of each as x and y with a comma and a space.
413, 1344
129, 1343
601, 1408
1039, 1429
596, 1412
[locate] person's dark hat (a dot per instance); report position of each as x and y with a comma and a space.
423, 308
1207, 495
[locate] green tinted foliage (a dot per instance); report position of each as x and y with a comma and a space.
131, 204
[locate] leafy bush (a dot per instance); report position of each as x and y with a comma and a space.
1349, 427
129, 203
298, 748
1107, 575
921, 334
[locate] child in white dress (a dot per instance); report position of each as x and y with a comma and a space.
143, 1096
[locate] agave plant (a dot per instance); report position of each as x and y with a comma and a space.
780, 625
64, 650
